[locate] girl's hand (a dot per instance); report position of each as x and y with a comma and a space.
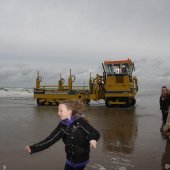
93, 143
28, 149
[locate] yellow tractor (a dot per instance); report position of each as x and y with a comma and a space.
117, 87
119, 84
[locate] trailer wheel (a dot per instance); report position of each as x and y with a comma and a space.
40, 102
86, 101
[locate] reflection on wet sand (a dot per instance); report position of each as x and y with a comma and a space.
166, 157
118, 128
121, 131
130, 138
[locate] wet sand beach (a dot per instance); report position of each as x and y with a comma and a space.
130, 138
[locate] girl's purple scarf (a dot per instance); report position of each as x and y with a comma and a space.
69, 122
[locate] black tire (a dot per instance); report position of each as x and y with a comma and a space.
107, 103
130, 102
86, 101
40, 102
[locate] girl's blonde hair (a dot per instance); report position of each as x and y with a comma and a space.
76, 106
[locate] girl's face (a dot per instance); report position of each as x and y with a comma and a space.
64, 112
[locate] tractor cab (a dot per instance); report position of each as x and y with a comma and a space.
118, 67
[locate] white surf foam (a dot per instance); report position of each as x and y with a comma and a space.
16, 92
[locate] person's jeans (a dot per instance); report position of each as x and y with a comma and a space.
164, 116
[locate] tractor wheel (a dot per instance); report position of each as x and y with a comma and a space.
108, 103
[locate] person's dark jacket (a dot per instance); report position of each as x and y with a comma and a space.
76, 137
164, 102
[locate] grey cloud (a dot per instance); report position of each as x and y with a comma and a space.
56, 35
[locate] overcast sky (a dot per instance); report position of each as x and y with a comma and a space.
56, 35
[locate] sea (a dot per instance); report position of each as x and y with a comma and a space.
130, 137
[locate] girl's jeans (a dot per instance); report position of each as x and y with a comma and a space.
68, 167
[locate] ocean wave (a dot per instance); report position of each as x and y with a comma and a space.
16, 92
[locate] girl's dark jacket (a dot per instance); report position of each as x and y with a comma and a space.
75, 134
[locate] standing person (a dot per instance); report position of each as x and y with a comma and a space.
164, 104
75, 131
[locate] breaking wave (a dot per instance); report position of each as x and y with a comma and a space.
16, 92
